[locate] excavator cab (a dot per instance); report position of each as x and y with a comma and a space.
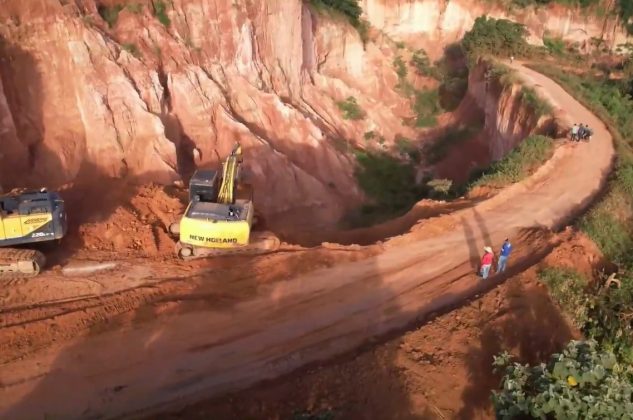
220, 215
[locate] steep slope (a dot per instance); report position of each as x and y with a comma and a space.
206, 343
431, 24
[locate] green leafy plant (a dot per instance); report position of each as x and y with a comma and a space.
420, 60
350, 109
135, 8
110, 13
579, 382
160, 12
132, 49
426, 107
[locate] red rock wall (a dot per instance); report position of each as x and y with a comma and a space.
149, 102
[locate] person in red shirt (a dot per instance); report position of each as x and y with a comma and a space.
486, 262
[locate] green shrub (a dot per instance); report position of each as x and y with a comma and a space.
426, 107
540, 106
350, 109
160, 12
406, 147
349, 8
517, 164
555, 46
580, 382
389, 183
135, 8
369, 135
110, 14
568, 289
440, 188
490, 36
440, 147
401, 68
132, 49
420, 60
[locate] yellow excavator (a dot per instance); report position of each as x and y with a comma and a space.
28, 217
220, 215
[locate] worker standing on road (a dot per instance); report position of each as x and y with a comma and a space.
486, 262
506, 248
574, 132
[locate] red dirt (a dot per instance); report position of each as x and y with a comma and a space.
157, 333
442, 369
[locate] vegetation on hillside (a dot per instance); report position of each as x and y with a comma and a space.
517, 164
350, 9
499, 37
580, 382
350, 109
603, 312
390, 185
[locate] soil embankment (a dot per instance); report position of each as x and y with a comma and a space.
227, 324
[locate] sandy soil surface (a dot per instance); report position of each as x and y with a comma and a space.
440, 370
153, 334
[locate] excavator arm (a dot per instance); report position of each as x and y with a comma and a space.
226, 193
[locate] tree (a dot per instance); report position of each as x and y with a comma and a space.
579, 383
495, 36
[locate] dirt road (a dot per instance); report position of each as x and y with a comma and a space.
201, 344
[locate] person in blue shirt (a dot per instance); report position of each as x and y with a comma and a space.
506, 248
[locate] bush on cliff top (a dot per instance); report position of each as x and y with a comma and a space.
349, 8
499, 37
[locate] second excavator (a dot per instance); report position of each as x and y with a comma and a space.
220, 217
28, 217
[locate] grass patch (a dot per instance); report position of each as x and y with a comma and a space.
160, 12
567, 287
517, 164
350, 109
110, 13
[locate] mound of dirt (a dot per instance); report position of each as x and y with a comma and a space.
129, 220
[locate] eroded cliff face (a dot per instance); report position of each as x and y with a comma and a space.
508, 117
431, 24
151, 102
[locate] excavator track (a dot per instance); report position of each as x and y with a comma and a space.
260, 243
16, 263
